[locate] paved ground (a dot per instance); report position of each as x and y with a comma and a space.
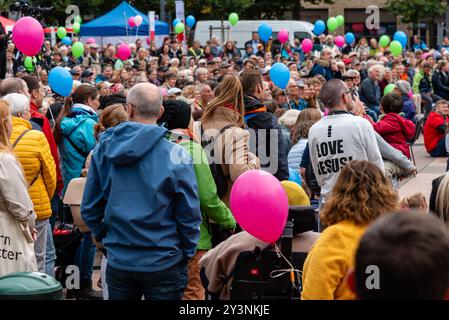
428, 169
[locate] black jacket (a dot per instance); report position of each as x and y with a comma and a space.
440, 82
260, 141
425, 85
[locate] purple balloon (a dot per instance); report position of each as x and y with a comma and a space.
28, 36
260, 205
306, 45
339, 41
123, 51
131, 22
283, 36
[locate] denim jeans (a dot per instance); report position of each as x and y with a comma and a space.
440, 150
85, 256
40, 245
50, 254
167, 284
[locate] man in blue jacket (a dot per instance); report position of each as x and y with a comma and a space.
370, 91
141, 203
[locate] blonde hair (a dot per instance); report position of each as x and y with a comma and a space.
229, 93
442, 200
361, 194
5, 113
110, 117
414, 201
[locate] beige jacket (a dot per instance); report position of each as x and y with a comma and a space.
232, 147
14, 197
220, 261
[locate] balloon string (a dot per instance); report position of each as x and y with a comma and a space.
288, 100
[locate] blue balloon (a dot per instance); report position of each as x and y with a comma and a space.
67, 41
280, 75
60, 81
401, 37
190, 20
319, 28
350, 38
294, 176
175, 22
265, 32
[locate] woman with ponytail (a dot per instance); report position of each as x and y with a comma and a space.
74, 135
74, 130
16, 209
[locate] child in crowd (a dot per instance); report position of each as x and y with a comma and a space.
416, 201
395, 130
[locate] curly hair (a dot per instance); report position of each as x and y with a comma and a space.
110, 117
361, 194
301, 130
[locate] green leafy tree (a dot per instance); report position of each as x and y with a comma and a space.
269, 9
418, 11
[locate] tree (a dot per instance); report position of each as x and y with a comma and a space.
269, 9
417, 11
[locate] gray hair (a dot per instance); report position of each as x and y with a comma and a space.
18, 103
289, 118
146, 98
198, 71
12, 85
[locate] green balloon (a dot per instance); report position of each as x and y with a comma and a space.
384, 41
77, 19
28, 63
77, 49
233, 18
340, 20
76, 27
389, 89
396, 48
332, 24
62, 32
179, 28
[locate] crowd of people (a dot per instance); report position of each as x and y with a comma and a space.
161, 137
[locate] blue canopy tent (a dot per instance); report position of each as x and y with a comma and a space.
114, 25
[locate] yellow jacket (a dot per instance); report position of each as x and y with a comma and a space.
34, 153
327, 264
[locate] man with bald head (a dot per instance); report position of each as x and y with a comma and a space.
141, 203
340, 137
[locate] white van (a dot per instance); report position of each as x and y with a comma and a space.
242, 32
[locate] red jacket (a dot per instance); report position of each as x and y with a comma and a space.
396, 130
431, 134
46, 129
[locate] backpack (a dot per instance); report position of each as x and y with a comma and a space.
221, 181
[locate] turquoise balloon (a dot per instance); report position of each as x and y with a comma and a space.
280, 75
60, 81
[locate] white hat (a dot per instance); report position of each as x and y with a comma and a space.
174, 91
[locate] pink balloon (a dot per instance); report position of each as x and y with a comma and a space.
131, 22
339, 41
260, 205
306, 45
90, 41
283, 35
28, 36
123, 51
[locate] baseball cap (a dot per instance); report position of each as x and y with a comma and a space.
86, 73
93, 46
347, 61
266, 70
225, 65
174, 91
300, 83
74, 72
202, 61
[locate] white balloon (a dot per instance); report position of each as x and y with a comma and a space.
138, 20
